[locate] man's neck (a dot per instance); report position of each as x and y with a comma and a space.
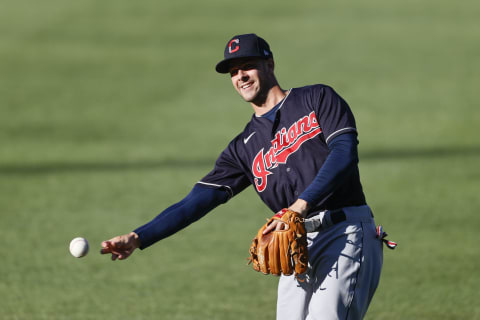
274, 96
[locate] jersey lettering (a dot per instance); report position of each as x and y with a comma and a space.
285, 143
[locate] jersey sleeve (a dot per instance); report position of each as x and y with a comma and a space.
227, 173
333, 113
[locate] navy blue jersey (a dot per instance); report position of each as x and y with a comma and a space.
281, 158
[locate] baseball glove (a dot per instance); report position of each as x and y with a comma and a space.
283, 251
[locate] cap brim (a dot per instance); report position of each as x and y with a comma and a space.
224, 65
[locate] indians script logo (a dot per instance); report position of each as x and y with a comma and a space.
285, 143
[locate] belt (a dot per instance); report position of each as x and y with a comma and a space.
327, 219
324, 220
337, 216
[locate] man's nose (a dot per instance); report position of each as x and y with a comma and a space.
243, 75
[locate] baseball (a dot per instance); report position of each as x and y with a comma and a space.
79, 247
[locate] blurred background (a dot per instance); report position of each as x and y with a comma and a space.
110, 111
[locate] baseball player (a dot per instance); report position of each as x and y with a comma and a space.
299, 151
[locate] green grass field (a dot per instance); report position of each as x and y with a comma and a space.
111, 110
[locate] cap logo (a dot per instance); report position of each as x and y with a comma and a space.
233, 46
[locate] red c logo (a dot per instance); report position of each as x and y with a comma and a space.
232, 47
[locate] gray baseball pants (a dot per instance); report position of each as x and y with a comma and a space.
345, 261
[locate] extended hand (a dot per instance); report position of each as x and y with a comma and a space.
300, 206
121, 247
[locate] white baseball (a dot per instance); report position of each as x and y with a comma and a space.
79, 247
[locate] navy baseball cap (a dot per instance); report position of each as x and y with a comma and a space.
243, 46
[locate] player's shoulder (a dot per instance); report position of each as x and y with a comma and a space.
312, 95
313, 89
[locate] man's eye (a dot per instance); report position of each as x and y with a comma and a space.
233, 72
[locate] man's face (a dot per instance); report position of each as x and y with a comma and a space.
251, 78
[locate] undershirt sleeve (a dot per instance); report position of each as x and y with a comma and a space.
341, 160
194, 206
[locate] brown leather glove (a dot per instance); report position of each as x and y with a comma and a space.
282, 251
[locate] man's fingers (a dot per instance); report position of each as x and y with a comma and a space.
268, 228
281, 226
275, 225
120, 247
123, 256
109, 247
106, 247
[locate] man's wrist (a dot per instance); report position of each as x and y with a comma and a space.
301, 206
135, 238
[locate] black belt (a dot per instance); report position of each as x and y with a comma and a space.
325, 219
337, 216
333, 217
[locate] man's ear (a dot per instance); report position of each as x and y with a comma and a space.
271, 64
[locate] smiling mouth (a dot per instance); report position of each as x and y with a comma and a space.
246, 85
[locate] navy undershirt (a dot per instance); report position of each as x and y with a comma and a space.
270, 115
195, 205
342, 159
340, 162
